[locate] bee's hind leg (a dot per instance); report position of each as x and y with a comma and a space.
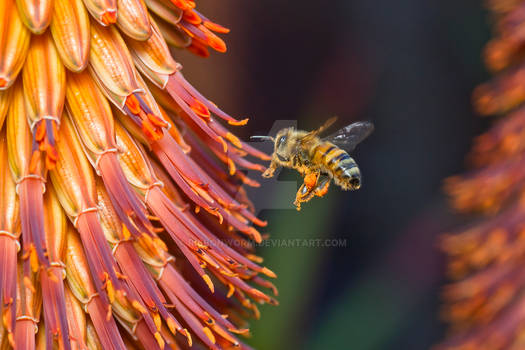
304, 194
310, 179
308, 189
323, 183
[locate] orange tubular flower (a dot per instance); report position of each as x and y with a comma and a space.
109, 154
485, 304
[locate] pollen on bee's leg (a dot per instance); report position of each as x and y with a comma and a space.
310, 180
304, 194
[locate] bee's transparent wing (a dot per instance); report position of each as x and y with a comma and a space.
350, 136
319, 130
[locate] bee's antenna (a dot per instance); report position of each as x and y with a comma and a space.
262, 138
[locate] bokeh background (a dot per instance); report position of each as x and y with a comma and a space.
409, 66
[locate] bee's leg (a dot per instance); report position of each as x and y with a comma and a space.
271, 170
310, 179
304, 194
322, 185
307, 189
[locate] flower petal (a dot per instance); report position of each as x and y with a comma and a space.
14, 43
71, 32
133, 19
36, 14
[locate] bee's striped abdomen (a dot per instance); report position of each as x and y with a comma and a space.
320, 152
339, 164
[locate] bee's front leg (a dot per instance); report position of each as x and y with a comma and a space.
270, 170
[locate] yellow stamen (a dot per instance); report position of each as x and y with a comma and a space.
231, 290
209, 334
33, 259
208, 281
234, 139
159, 340
171, 325
157, 320
138, 306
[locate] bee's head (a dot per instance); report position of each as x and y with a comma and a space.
285, 141
284, 144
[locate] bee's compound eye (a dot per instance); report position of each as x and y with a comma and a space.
281, 141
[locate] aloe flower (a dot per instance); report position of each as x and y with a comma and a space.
123, 220
485, 305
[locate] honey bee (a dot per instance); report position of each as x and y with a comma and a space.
319, 160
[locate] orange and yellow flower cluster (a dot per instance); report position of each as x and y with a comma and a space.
123, 220
485, 305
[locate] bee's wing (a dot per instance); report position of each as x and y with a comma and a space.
316, 132
351, 135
